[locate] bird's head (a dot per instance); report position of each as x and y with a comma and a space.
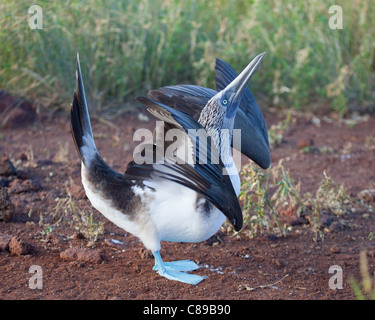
221, 109
230, 97
226, 102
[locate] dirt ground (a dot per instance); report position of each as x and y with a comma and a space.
294, 266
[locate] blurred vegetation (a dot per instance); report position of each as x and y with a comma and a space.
129, 47
365, 290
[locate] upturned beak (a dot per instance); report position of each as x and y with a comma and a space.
236, 89
249, 118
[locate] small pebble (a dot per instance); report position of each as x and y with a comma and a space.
334, 249
18, 246
81, 255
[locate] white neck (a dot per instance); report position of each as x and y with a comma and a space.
232, 171
221, 139
213, 118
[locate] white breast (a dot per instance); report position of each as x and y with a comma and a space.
174, 212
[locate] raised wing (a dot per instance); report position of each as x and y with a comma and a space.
206, 178
191, 99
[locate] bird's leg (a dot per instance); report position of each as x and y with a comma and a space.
175, 270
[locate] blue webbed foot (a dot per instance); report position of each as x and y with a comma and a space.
180, 265
175, 270
181, 276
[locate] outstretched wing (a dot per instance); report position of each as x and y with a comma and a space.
191, 99
205, 178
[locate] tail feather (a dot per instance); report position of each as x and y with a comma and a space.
80, 122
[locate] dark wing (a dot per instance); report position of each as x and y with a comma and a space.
206, 178
191, 99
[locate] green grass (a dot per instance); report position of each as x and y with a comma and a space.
130, 47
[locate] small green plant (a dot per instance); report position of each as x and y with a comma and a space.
66, 211
332, 196
85, 223
262, 210
287, 195
366, 289
329, 197
267, 194
370, 142
257, 204
276, 131
47, 228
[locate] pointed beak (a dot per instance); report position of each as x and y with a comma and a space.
249, 118
236, 89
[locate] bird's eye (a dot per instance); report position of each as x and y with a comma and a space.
224, 102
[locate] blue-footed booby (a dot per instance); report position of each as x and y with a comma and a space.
169, 200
